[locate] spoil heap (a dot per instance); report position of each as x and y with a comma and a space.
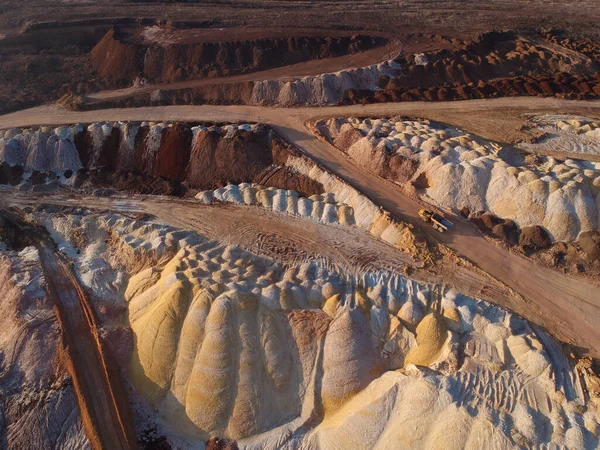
495, 64
455, 170
121, 56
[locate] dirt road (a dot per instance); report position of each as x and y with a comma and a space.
101, 396
285, 73
287, 239
496, 119
566, 306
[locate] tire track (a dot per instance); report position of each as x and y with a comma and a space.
101, 396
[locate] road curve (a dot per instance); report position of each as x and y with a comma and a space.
567, 306
285, 73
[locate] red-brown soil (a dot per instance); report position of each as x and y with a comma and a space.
285, 178
213, 161
45, 64
174, 154
581, 45
120, 57
217, 160
493, 65
130, 181
387, 165
114, 59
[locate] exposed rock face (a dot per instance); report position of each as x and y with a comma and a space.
155, 158
120, 57
456, 170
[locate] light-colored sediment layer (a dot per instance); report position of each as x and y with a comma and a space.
231, 343
39, 403
566, 134
42, 149
320, 90
460, 170
321, 208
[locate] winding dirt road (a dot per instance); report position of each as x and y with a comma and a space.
284, 73
568, 307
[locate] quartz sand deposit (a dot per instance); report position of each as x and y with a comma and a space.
229, 343
453, 169
569, 135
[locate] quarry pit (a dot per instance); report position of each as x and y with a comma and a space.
210, 236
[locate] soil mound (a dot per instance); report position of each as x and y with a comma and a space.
120, 57
507, 231
115, 60
493, 65
534, 238
589, 241
459, 171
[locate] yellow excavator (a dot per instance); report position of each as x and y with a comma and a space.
439, 222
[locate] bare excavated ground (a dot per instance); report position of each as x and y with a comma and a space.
43, 64
538, 288
467, 17
430, 67
210, 229
45, 52
121, 198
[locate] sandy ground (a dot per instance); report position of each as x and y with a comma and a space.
494, 119
102, 401
280, 236
548, 298
565, 306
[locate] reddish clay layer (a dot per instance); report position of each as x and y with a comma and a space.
175, 165
120, 58
494, 65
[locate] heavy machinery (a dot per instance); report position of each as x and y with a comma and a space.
439, 222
